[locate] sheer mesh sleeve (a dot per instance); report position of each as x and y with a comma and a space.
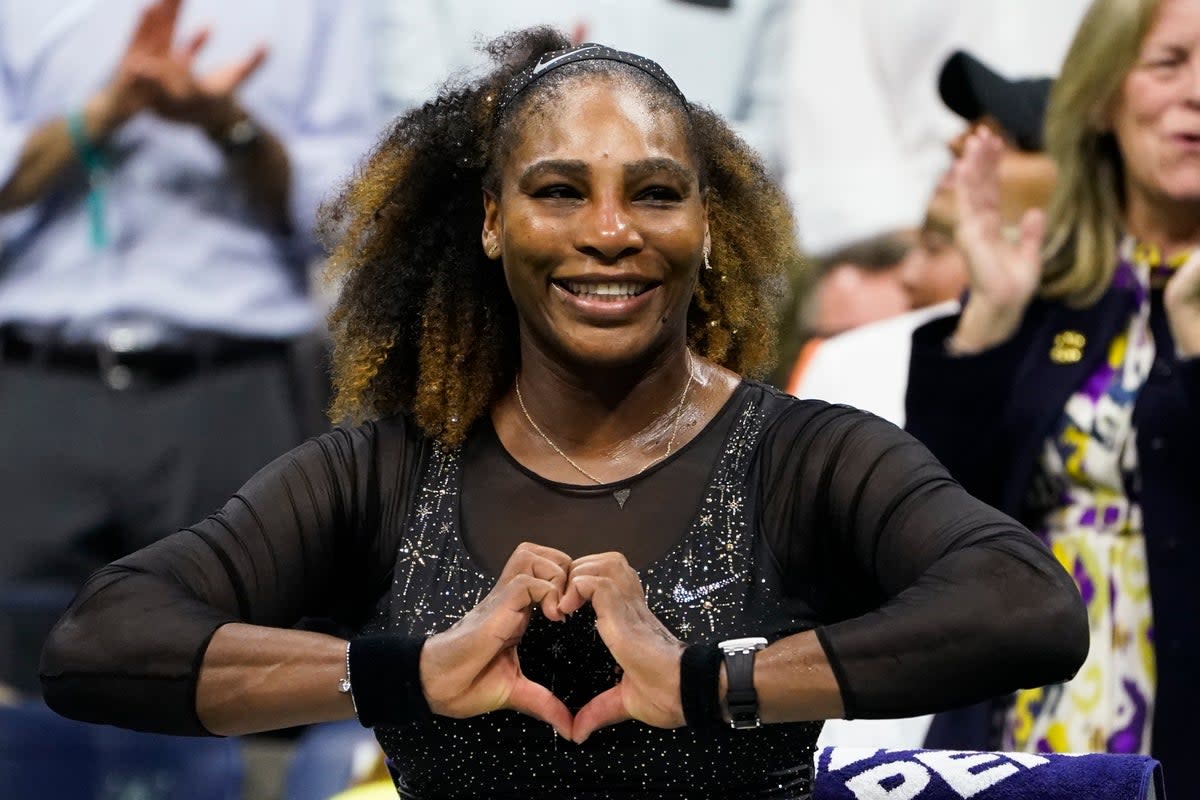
930, 598
301, 538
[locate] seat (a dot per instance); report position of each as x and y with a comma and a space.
328, 759
46, 757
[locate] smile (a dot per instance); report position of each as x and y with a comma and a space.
612, 291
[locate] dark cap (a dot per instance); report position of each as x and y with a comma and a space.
972, 90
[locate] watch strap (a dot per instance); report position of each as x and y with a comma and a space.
741, 699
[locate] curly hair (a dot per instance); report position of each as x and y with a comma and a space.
424, 323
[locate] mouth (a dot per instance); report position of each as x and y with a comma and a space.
606, 291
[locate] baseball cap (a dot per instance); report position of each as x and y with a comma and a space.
972, 89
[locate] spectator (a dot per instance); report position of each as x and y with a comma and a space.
934, 274
158, 182
1065, 393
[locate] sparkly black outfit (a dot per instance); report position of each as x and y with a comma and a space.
779, 516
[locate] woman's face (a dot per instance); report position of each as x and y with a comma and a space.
1156, 119
600, 223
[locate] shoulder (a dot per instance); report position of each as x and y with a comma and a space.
814, 436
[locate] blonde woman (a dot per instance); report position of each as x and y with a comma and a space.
1065, 393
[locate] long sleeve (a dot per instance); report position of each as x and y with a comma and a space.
303, 538
930, 598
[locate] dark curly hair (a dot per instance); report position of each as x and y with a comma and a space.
424, 323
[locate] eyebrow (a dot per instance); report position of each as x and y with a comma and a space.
574, 168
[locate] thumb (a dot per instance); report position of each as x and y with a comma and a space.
535, 700
606, 708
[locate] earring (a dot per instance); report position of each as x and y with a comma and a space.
707, 264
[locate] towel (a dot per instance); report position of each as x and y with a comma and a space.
855, 773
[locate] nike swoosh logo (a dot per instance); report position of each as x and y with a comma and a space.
542, 66
681, 594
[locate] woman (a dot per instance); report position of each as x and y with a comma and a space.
557, 405
1065, 394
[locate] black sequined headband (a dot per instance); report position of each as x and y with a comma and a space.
588, 51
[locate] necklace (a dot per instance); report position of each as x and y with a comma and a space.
621, 495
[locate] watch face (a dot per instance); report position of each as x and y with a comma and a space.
745, 643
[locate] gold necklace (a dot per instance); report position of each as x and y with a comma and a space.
621, 495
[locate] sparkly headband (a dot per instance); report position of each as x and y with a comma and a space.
588, 51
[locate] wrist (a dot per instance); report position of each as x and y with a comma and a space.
385, 679
983, 325
103, 113
1185, 330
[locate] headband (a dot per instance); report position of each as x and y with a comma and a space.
589, 51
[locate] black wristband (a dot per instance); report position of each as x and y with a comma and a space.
385, 679
699, 679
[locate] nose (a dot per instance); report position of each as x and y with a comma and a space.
607, 228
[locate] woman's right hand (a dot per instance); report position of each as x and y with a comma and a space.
472, 667
1005, 269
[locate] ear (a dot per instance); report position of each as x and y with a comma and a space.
492, 226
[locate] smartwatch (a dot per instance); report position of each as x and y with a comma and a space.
740, 697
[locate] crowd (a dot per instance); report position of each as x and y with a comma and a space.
550, 268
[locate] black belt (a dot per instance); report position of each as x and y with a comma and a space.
126, 369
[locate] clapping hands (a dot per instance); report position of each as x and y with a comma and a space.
473, 668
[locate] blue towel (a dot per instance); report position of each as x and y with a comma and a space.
856, 773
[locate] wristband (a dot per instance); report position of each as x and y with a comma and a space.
96, 166
699, 679
386, 687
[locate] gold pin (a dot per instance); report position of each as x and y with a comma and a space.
1067, 347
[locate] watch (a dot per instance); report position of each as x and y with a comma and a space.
240, 137
740, 697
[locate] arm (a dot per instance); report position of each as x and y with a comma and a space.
934, 599
185, 636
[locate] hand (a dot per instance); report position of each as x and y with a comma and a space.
472, 668
152, 75
1004, 270
647, 653
1181, 298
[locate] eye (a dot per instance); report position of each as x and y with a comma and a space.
659, 194
557, 191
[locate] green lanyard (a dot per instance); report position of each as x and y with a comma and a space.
96, 166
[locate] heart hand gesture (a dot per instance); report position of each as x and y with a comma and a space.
647, 653
472, 668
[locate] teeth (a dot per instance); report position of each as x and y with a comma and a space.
617, 290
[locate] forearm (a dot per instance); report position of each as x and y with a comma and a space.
794, 681
261, 167
255, 678
49, 150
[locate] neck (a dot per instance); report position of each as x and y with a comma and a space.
1171, 225
604, 409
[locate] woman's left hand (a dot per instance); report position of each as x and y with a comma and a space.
647, 653
1181, 297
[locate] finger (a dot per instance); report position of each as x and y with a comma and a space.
161, 28
1033, 230
524, 591
239, 72
580, 589
193, 47
537, 701
606, 708
519, 560
547, 570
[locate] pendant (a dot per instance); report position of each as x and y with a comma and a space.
621, 496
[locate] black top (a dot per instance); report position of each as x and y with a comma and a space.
782, 514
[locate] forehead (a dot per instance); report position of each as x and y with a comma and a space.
1174, 21
600, 119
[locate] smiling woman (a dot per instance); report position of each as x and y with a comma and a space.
570, 510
